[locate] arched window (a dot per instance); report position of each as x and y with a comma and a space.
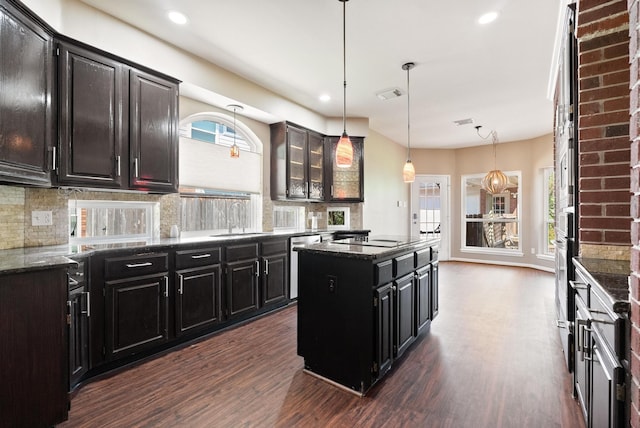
219, 194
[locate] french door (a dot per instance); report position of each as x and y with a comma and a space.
430, 210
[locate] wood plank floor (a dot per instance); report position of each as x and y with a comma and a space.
492, 359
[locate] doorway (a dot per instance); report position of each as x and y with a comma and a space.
430, 210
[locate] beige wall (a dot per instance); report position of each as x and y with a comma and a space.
529, 157
383, 187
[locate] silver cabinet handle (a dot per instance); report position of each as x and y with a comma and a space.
166, 287
181, 290
137, 265
54, 165
266, 266
201, 256
257, 267
118, 166
135, 167
88, 311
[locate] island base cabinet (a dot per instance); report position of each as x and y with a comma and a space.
383, 304
34, 379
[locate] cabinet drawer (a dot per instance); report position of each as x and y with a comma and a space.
135, 265
403, 264
606, 323
280, 246
77, 274
242, 252
383, 272
199, 257
423, 257
581, 286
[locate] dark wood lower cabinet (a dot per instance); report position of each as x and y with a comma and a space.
198, 299
79, 313
34, 369
404, 292
423, 298
383, 303
242, 287
136, 313
433, 284
274, 280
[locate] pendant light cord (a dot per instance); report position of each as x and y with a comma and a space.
344, 66
408, 115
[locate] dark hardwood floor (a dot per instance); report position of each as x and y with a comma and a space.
492, 359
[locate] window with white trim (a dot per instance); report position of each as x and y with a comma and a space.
491, 223
549, 214
219, 194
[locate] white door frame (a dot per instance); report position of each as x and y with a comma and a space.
445, 210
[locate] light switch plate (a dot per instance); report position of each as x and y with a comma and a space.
41, 218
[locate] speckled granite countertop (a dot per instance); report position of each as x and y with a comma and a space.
374, 248
38, 258
611, 276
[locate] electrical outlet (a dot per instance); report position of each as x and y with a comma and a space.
41, 218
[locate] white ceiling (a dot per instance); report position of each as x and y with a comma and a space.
496, 74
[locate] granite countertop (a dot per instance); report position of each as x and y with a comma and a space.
373, 248
611, 276
31, 258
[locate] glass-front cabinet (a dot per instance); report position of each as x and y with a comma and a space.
346, 184
297, 163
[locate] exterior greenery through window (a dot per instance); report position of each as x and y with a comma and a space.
491, 223
549, 231
219, 194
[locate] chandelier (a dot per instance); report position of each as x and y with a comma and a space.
495, 181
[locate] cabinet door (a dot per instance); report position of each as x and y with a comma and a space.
137, 313
423, 299
153, 137
26, 90
274, 280
78, 335
92, 117
296, 163
582, 339
383, 307
404, 295
198, 298
316, 166
435, 290
346, 184
607, 378
242, 287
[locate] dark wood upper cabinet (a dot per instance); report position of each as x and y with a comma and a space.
26, 92
153, 144
92, 118
297, 163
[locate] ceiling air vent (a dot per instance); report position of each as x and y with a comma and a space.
461, 122
389, 93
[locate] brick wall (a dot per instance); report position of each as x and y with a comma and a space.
634, 33
603, 128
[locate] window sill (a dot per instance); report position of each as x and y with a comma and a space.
492, 251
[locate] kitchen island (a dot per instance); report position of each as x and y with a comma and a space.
362, 304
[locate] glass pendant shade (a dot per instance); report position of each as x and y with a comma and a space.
495, 182
344, 152
235, 151
408, 172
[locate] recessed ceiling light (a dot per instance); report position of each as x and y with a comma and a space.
488, 17
325, 98
177, 17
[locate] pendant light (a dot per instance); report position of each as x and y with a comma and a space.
408, 172
235, 150
344, 149
495, 181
